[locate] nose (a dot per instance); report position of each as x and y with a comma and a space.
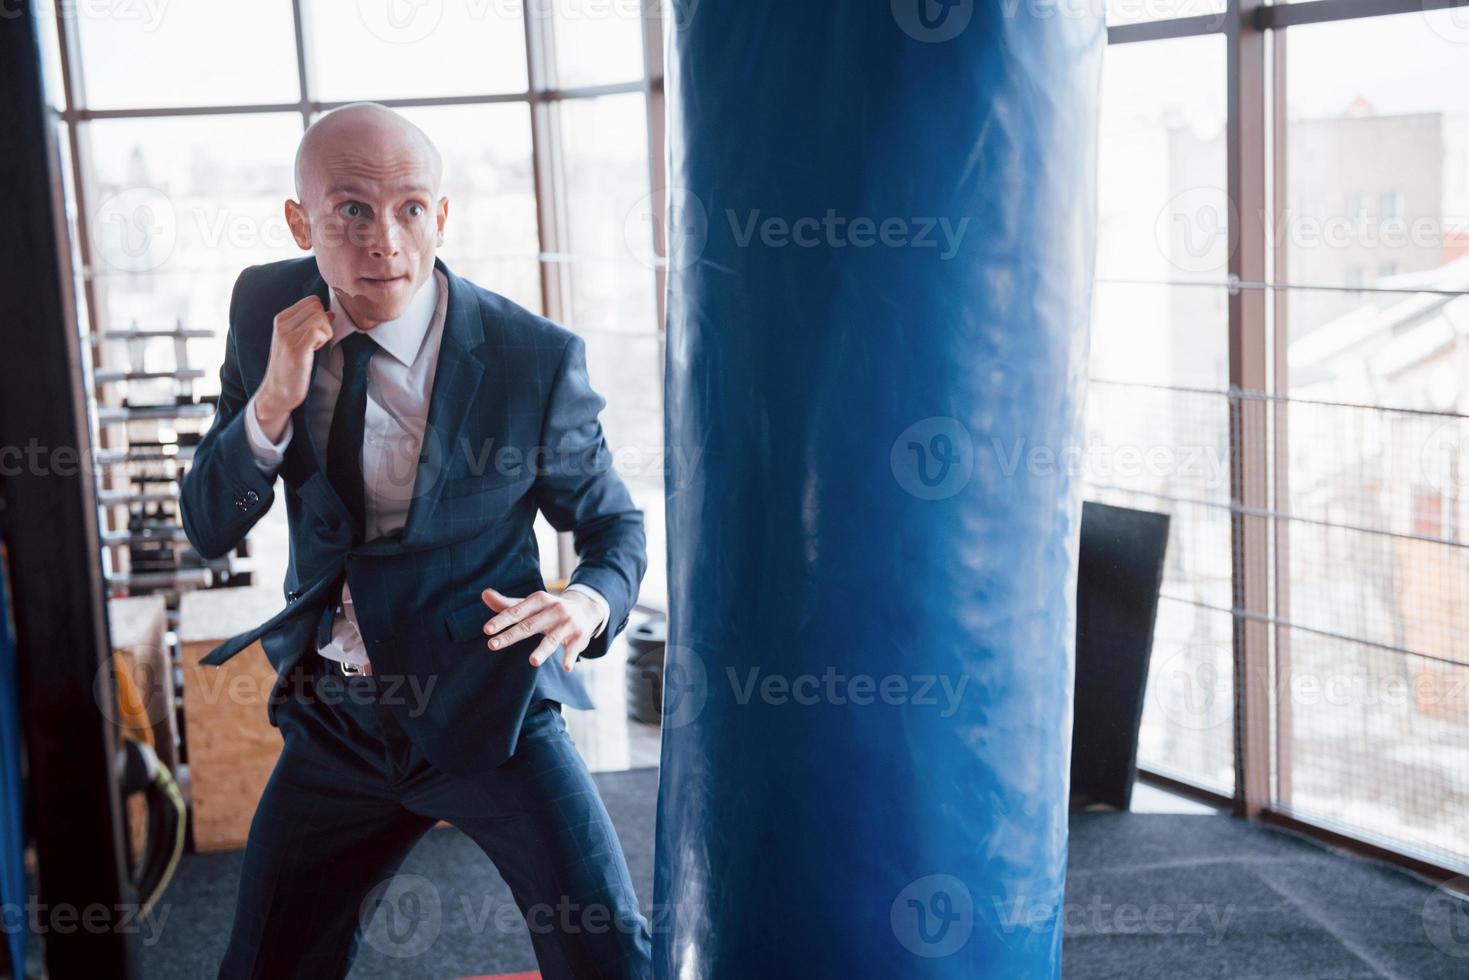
384, 244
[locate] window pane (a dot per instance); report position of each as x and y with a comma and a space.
1158, 407
189, 53
50, 46
613, 299
598, 41
491, 235
605, 142
1374, 738
394, 50
1163, 212
178, 207
1378, 155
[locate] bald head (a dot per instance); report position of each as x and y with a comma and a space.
367, 183
363, 135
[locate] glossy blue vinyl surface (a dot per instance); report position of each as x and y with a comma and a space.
881, 252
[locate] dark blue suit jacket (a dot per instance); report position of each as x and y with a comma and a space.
512, 428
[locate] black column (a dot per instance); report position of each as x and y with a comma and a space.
48, 523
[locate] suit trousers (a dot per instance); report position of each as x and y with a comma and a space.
349, 797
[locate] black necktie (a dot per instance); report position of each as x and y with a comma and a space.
344, 441
344, 453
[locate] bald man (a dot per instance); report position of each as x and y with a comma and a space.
417, 423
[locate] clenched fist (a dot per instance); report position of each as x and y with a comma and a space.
300, 330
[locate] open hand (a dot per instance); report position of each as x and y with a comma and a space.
567, 620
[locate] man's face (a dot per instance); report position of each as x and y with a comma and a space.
369, 213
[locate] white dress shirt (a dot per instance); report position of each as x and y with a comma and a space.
400, 379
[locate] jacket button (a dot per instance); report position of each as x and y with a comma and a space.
251, 497
293, 595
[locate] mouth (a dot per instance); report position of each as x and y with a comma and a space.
382, 282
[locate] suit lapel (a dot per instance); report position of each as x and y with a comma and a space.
456, 381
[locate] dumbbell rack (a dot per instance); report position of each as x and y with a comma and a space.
150, 419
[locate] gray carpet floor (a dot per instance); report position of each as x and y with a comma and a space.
1150, 897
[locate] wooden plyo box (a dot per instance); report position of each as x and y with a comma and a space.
139, 624
231, 744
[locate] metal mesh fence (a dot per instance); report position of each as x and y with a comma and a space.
1369, 600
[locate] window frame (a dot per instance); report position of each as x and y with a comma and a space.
543, 97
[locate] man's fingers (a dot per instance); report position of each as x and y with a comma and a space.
544, 621
547, 647
298, 313
313, 332
512, 611
496, 600
300, 308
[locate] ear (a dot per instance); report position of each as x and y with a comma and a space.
300, 227
441, 217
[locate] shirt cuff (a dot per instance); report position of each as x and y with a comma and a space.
596, 597
268, 455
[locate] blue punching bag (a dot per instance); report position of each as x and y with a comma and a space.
881, 249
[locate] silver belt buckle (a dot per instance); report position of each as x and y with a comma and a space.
353, 670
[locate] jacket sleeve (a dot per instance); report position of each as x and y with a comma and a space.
578, 491
225, 493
